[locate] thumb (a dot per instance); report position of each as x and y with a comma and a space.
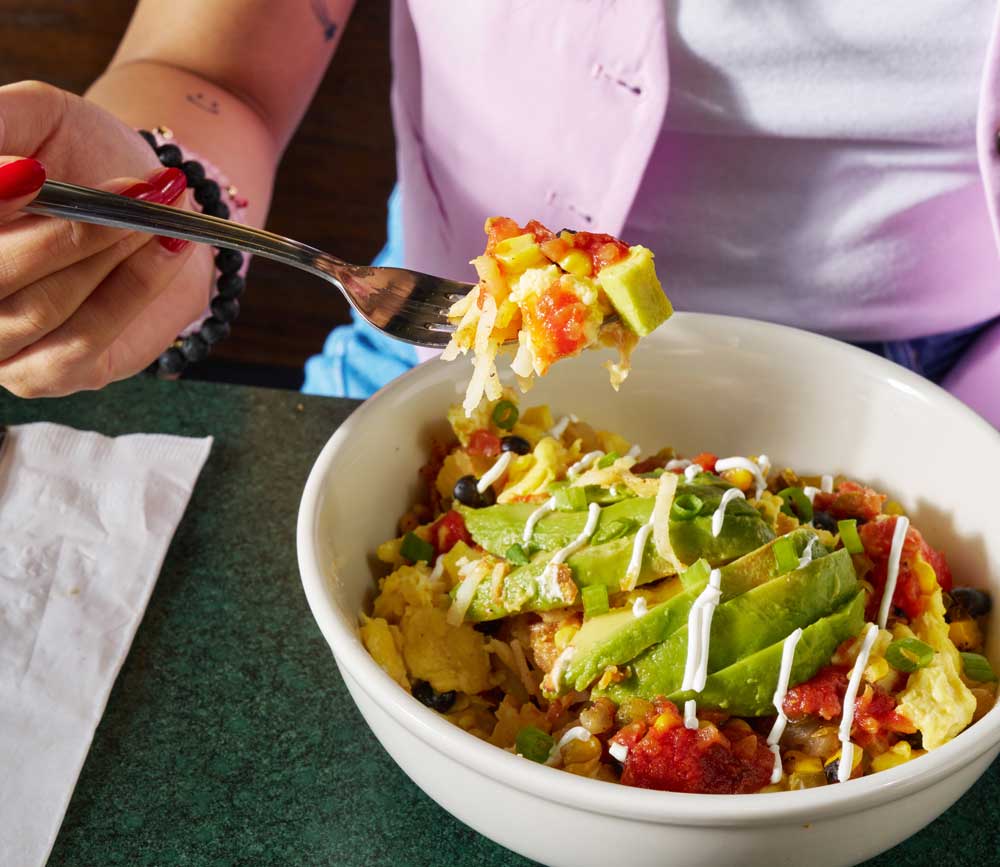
20, 180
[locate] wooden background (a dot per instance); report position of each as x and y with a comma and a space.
347, 133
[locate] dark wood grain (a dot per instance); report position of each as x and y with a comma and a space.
331, 188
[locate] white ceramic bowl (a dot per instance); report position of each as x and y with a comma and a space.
700, 383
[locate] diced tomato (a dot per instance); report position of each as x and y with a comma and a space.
500, 229
603, 249
447, 531
706, 460
822, 695
483, 442
909, 596
665, 755
876, 720
850, 500
559, 319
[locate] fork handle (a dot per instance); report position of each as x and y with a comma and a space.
86, 205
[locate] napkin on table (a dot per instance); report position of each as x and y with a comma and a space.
85, 522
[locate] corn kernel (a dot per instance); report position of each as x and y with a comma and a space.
893, 508
925, 575
897, 755
577, 752
800, 763
877, 669
564, 636
519, 253
965, 635
664, 723
577, 263
741, 479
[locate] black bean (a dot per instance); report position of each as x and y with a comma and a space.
831, 770
467, 493
824, 521
974, 602
439, 701
517, 445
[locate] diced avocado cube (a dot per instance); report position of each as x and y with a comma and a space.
635, 292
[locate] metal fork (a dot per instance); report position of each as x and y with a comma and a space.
404, 304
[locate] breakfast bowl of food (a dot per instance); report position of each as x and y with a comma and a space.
737, 610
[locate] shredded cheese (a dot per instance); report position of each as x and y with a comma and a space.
473, 574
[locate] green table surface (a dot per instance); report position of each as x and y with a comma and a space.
229, 737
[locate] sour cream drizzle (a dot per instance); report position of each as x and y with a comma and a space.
577, 733
699, 634
690, 714
549, 575
810, 492
846, 765
826, 484
494, 472
692, 470
633, 452
639, 607
618, 751
720, 513
583, 464
555, 675
529, 528
784, 673
895, 553
638, 550
559, 428
807, 553
756, 469
678, 464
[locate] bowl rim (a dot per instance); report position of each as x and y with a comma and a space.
594, 795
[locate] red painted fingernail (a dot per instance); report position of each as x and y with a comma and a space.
172, 245
21, 178
168, 184
137, 191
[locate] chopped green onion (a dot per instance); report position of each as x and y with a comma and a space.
785, 556
613, 530
849, 536
595, 600
977, 667
654, 474
516, 555
534, 744
607, 460
909, 654
697, 573
505, 415
796, 504
686, 507
414, 548
570, 499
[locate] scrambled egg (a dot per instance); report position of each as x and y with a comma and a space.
935, 699
531, 474
409, 635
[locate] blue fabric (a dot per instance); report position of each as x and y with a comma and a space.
358, 359
933, 356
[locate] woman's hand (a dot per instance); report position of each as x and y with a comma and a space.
82, 305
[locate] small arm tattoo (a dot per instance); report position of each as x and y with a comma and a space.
328, 24
199, 100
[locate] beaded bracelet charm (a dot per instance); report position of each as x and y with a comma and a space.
195, 343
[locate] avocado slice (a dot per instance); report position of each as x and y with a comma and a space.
747, 623
524, 588
635, 292
747, 687
618, 636
496, 528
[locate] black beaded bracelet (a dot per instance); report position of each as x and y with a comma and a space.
230, 284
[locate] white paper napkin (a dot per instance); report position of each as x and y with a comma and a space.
85, 522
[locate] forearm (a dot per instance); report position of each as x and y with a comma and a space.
205, 119
976, 378
231, 78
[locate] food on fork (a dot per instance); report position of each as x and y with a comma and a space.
551, 296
